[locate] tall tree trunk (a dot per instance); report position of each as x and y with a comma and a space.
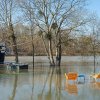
46, 49
31, 29
11, 31
58, 53
33, 53
94, 56
52, 63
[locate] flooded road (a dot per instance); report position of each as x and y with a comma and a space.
48, 83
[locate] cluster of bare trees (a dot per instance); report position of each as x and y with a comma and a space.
56, 25
7, 9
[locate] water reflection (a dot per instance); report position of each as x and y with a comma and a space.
14, 88
95, 85
32, 85
46, 83
2, 68
98, 85
71, 88
48, 94
58, 84
51, 85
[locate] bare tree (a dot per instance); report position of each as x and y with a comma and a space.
7, 9
53, 16
28, 17
94, 27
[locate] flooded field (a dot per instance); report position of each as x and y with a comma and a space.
49, 83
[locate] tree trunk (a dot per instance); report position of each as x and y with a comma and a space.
46, 49
11, 31
31, 29
58, 55
33, 53
52, 63
94, 56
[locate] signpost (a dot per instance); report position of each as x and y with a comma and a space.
2, 53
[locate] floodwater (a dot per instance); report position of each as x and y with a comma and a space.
49, 83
